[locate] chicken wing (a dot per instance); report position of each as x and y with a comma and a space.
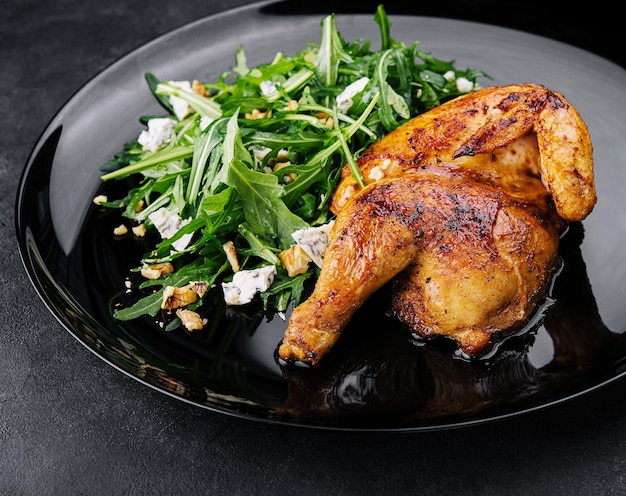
462, 210
480, 123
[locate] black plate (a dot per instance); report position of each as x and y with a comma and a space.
375, 379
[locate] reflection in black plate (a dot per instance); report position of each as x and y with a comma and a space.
376, 378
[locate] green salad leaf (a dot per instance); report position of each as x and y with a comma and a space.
240, 163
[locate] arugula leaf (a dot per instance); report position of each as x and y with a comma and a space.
153, 82
384, 24
151, 304
241, 67
257, 247
262, 152
205, 143
201, 104
265, 212
155, 164
331, 52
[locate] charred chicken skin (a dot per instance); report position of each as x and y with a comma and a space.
462, 210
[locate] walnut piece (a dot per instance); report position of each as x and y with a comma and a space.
199, 287
191, 320
139, 230
100, 199
231, 255
295, 260
174, 297
157, 270
120, 230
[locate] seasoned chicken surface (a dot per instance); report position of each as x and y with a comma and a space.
480, 123
462, 210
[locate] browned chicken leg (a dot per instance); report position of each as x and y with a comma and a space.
457, 215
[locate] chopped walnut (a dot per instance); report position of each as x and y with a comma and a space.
198, 88
100, 199
191, 320
139, 231
120, 230
282, 157
257, 114
295, 260
157, 270
140, 205
199, 287
287, 177
174, 297
231, 255
325, 119
292, 105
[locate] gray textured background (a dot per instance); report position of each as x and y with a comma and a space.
70, 424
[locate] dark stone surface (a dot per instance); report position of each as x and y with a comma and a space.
70, 424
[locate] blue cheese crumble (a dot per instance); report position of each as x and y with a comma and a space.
267, 88
344, 99
247, 283
168, 225
314, 240
181, 107
159, 133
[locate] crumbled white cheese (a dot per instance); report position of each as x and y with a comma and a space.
168, 225
376, 174
267, 87
344, 99
247, 283
314, 241
464, 85
449, 76
205, 120
180, 106
159, 133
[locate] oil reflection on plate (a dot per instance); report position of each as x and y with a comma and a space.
375, 371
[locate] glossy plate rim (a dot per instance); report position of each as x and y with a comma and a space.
249, 15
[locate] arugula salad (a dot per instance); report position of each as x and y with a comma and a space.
234, 182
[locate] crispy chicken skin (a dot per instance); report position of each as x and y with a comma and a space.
462, 210
480, 123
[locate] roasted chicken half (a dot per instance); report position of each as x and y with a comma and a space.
462, 210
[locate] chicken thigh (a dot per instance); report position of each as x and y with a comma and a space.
462, 211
